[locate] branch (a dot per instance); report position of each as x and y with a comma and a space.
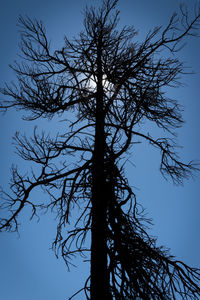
23, 193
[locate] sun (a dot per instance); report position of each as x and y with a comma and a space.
92, 83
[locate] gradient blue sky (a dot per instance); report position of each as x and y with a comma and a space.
28, 269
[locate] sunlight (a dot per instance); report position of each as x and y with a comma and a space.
92, 83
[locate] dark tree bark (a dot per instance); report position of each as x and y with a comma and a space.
99, 273
111, 84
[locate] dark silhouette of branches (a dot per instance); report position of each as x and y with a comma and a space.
104, 84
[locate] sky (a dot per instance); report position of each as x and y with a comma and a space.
28, 268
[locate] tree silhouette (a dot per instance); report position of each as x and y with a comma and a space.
104, 84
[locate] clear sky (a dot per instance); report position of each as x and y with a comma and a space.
28, 269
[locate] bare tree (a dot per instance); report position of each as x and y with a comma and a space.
103, 84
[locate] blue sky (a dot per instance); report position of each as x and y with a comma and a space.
28, 269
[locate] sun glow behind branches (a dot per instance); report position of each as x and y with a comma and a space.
92, 84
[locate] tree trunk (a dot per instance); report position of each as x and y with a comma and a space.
99, 273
